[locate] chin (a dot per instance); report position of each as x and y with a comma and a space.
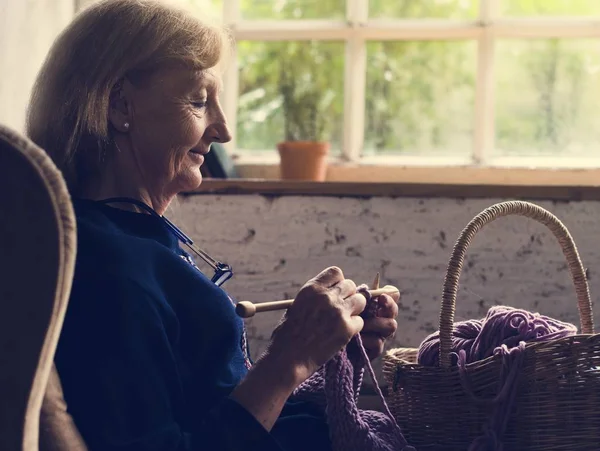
190, 180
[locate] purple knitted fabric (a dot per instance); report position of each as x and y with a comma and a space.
504, 332
336, 387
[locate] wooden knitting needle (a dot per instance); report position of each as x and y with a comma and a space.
247, 309
375, 285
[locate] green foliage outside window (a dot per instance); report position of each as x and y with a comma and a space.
420, 95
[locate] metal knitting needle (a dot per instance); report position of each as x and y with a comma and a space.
247, 309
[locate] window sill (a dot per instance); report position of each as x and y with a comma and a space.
387, 189
557, 179
444, 172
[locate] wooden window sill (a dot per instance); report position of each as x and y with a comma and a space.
388, 189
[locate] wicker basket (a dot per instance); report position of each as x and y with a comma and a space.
557, 405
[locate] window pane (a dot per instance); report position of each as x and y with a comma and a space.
293, 9
550, 7
423, 9
420, 98
290, 90
547, 97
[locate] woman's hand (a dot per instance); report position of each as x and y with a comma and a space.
382, 326
320, 322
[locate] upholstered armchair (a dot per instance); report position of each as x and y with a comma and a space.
37, 259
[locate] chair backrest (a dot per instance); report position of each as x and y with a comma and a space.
37, 258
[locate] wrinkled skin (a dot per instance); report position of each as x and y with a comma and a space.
174, 115
163, 125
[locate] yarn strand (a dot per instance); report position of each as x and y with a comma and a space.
377, 388
504, 332
336, 388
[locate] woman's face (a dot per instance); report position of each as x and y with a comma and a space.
174, 115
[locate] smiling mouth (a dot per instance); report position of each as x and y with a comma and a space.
198, 157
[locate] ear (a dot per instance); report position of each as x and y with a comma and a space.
119, 109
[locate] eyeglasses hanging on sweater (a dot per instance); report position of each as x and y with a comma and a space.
222, 271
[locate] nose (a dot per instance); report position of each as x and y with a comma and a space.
218, 132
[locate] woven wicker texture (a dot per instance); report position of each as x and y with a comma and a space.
37, 260
557, 405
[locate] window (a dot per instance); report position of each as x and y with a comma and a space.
475, 82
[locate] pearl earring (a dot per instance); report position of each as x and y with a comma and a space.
126, 125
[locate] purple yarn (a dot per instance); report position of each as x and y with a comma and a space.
503, 332
350, 428
336, 387
502, 325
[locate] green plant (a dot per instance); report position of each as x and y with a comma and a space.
305, 91
420, 94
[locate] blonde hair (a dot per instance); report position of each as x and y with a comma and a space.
68, 110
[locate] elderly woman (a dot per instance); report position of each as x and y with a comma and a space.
152, 355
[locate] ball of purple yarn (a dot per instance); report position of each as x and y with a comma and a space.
502, 325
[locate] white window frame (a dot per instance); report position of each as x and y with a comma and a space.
357, 30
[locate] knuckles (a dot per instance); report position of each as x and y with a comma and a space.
335, 272
352, 285
312, 289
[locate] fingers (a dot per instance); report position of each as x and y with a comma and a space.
356, 325
382, 327
388, 307
356, 303
345, 288
345, 291
395, 296
373, 344
329, 277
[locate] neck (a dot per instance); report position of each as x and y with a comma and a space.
108, 187
121, 177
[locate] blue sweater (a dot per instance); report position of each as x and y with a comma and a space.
151, 348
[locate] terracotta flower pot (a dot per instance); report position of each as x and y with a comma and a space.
303, 160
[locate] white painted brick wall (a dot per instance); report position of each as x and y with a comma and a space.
276, 243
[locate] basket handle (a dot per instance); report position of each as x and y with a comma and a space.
457, 259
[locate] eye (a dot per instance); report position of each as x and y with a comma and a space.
199, 105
